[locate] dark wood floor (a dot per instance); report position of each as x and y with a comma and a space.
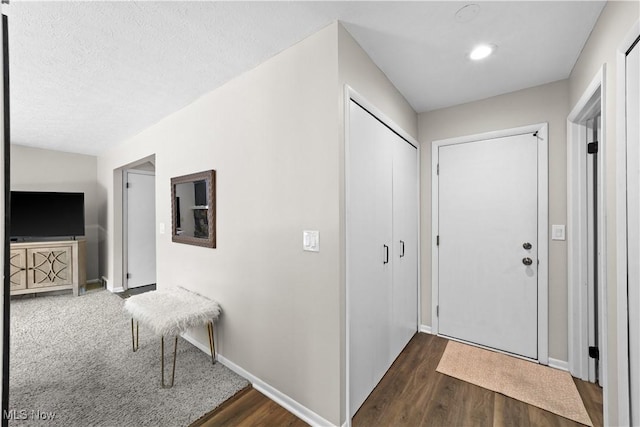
412, 393
249, 408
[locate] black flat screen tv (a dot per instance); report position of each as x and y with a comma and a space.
46, 214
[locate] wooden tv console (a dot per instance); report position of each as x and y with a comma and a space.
47, 266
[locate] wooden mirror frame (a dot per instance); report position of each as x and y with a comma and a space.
210, 179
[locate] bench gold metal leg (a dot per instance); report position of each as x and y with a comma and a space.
173, 371
212, 344
135, 337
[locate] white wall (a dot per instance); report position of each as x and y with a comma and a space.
357, 70
35, 169
271, 135
546, 103
275, 137
615, 21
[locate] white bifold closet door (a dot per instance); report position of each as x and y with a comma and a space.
405, 245
633, 225
382, 247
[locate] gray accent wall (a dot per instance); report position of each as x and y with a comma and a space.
36, 169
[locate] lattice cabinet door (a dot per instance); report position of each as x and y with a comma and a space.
49, 266
18, 269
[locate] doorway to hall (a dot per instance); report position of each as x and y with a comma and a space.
138, 226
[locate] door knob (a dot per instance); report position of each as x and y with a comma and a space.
527, 261
527, 245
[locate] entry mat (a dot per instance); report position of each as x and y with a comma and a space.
547, 388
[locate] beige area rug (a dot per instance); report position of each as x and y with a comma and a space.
547, 388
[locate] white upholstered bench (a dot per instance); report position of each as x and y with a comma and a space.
171, 312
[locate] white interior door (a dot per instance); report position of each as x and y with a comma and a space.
141, 236
369, 251
633, 225
487, 213
405, 240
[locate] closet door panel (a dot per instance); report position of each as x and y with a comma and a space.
369, 252
405, 241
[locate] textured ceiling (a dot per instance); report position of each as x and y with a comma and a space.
87, 75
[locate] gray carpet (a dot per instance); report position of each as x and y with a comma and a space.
72, 356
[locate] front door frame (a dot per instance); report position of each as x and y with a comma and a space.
543, 209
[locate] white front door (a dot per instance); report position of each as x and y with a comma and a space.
141, 236
488, 243
633, 225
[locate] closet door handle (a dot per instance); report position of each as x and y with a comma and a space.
386, 254
402, 244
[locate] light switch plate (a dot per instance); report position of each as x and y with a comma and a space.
557, 232
311, 240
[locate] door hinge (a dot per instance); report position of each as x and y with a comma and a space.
128, 184
438, 169
437, 311
128, 275
438, 240
592, 147
594, 352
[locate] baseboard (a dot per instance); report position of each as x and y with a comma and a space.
92, 281
198, 344
110, 288
425, 329
300, 411
559, 364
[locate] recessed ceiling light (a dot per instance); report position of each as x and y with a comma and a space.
482, 51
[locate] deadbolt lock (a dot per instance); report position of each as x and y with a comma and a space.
527, 245
527, 261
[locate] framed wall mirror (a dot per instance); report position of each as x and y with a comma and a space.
193, 209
